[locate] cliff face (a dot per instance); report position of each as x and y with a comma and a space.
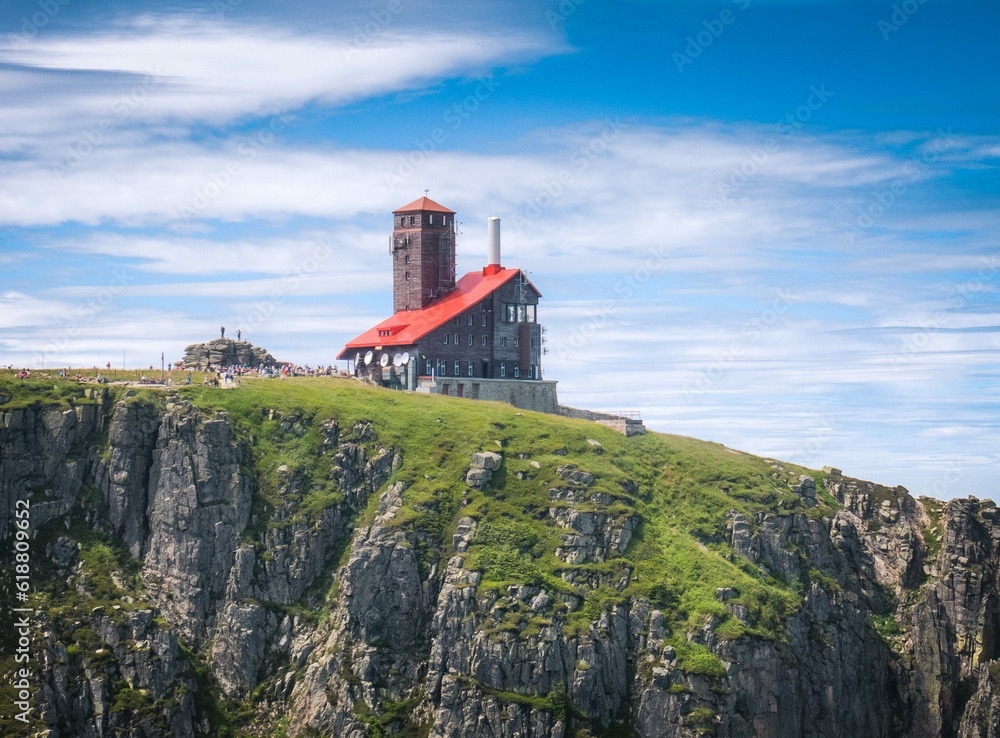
193, 577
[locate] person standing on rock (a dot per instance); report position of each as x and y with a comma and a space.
239, 334
222, 330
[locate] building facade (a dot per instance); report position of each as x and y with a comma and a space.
482, 326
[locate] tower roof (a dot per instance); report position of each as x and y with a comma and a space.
424, 203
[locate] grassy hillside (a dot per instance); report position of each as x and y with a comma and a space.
682, 490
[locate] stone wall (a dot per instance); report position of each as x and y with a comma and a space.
625, 426
538, 395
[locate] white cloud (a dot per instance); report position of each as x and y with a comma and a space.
178, 69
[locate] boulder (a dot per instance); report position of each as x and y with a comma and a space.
226, 352
486, 460
478, 477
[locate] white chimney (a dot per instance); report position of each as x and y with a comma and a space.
493, 241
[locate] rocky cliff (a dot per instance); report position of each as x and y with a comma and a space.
319, 559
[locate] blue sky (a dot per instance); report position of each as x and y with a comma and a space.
768, 223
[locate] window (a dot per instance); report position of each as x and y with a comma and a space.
407, 259
431, 216
458, 369
407, 276
446, 337
458, 321
471, 339
442, 368
514, 313
503, 341
413, 219
503, 369
456, 339
517, 373
534, 372
469, 369
428, 370
486, 321
515, 341
470, 320
531, 342
486, 341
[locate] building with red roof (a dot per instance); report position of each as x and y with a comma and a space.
443, 333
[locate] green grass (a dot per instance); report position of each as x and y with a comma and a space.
932, 533
39, 390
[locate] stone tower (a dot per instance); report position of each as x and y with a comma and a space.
423, 254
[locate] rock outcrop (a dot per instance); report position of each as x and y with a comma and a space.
225, 352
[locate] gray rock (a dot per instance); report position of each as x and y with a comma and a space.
725, 594
199, 504
226, 352
574, 476
540, 601
133, 431
478, 477
486, 460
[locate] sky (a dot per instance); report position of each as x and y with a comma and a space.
772, 224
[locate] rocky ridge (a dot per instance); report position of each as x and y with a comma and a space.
188, 577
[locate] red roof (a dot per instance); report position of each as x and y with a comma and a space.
409, 326
424, 203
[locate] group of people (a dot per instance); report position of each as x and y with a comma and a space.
223, 375
294, 370
223, 378
279, 372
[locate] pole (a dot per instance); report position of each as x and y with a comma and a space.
161, 368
